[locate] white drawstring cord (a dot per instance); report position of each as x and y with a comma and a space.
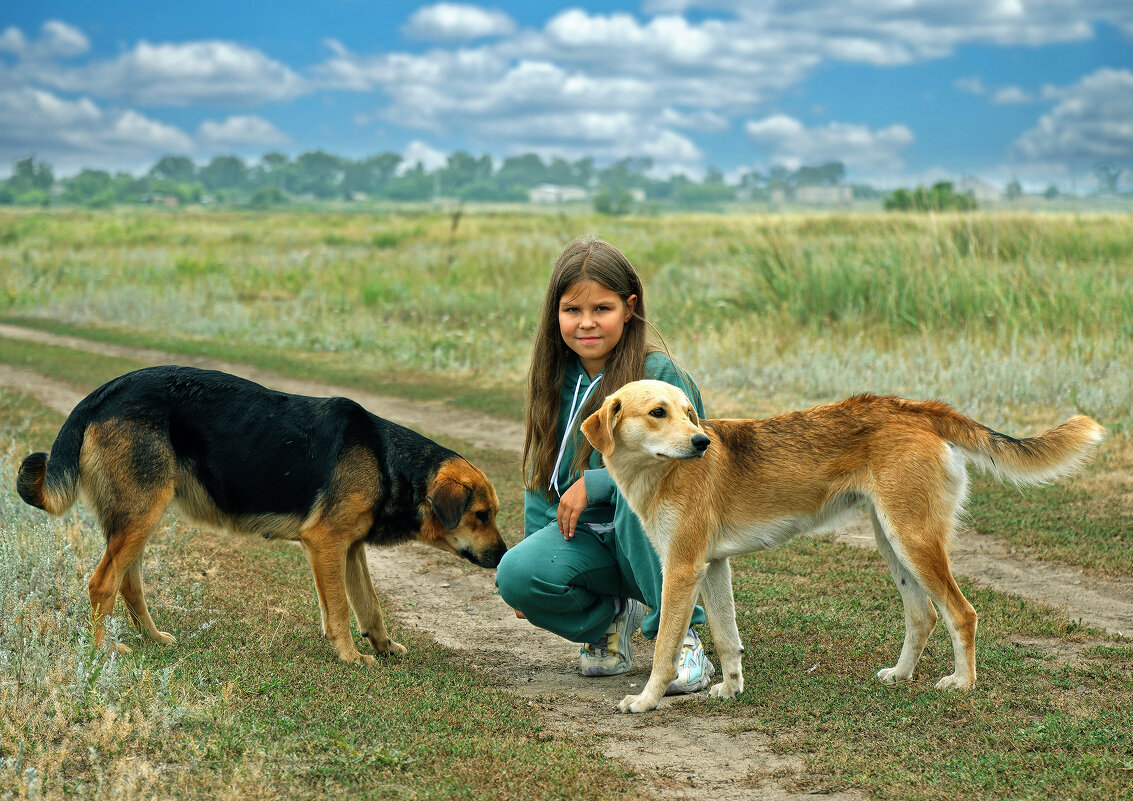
570, 425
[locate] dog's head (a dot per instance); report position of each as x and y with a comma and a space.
461, 514
650, 420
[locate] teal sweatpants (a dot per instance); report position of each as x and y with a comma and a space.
569, 587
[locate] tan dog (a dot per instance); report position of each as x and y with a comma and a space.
708, 490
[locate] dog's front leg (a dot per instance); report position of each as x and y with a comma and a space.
720, 606
678, 597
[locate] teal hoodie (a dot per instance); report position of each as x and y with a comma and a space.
604, 503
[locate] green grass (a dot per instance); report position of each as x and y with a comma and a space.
1061, 522
1001, 314
819, 619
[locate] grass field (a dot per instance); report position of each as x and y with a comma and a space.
1018, 320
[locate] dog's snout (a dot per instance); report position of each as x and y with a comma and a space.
700, 442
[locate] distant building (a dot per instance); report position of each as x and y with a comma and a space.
814, 195
824, 195
554, 193
982, 191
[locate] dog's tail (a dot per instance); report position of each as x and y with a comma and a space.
51, 482
1032, 460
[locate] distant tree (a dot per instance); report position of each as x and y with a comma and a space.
413, 184
267, 197
828, 174
1108, 176
1051, 192
529, 170
317, 173
178, 169
90, 188
941, 197
30, 183
1013, 190
224, 172
613, 201
779, 178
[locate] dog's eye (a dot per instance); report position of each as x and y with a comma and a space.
658, 412
482, 516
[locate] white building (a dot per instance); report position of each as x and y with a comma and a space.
554, 193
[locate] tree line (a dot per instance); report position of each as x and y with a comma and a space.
277, 179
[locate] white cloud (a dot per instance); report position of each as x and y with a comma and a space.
12, 40
973, 85
171, 74
61, 39
417, 152
1011, 95
241, 130
791, 144
457, 21
71, 134
1093, 121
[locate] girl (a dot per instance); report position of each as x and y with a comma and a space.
585, 567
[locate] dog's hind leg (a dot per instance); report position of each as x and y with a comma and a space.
920, 614
326, 551
720, 606
126, 471
920, 548
364, 602
126, 538
134, 594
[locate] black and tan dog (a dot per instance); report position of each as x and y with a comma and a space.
227, 452
708, 490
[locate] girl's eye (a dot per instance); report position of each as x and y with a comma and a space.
658, 412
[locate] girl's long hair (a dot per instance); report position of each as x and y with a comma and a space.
586, 258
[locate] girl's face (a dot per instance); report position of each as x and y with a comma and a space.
591, 321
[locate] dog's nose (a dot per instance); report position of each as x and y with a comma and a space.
700, 442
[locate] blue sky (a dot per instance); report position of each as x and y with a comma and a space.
900, 91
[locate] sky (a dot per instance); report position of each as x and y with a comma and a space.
901, 92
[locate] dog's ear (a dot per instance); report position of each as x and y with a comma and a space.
598, 428
449, 500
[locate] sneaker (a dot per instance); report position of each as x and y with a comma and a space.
610, 655
694, 669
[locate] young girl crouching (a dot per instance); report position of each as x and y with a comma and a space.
585, 569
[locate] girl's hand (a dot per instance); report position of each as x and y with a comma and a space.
571, 505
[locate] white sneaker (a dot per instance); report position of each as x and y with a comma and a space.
694, 669
611, 655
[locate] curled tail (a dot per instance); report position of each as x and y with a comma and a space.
51, 482
1031, 460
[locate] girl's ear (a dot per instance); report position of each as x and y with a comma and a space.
598, 428
631, 307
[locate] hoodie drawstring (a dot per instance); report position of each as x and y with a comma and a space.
570, 426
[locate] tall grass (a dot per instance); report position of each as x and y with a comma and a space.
1031, 308
59, 688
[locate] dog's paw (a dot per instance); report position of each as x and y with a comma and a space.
637, 703
891, 676
164, 638
395, 649
123, 649
365, 660
954, 682
726, 690
386, 646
